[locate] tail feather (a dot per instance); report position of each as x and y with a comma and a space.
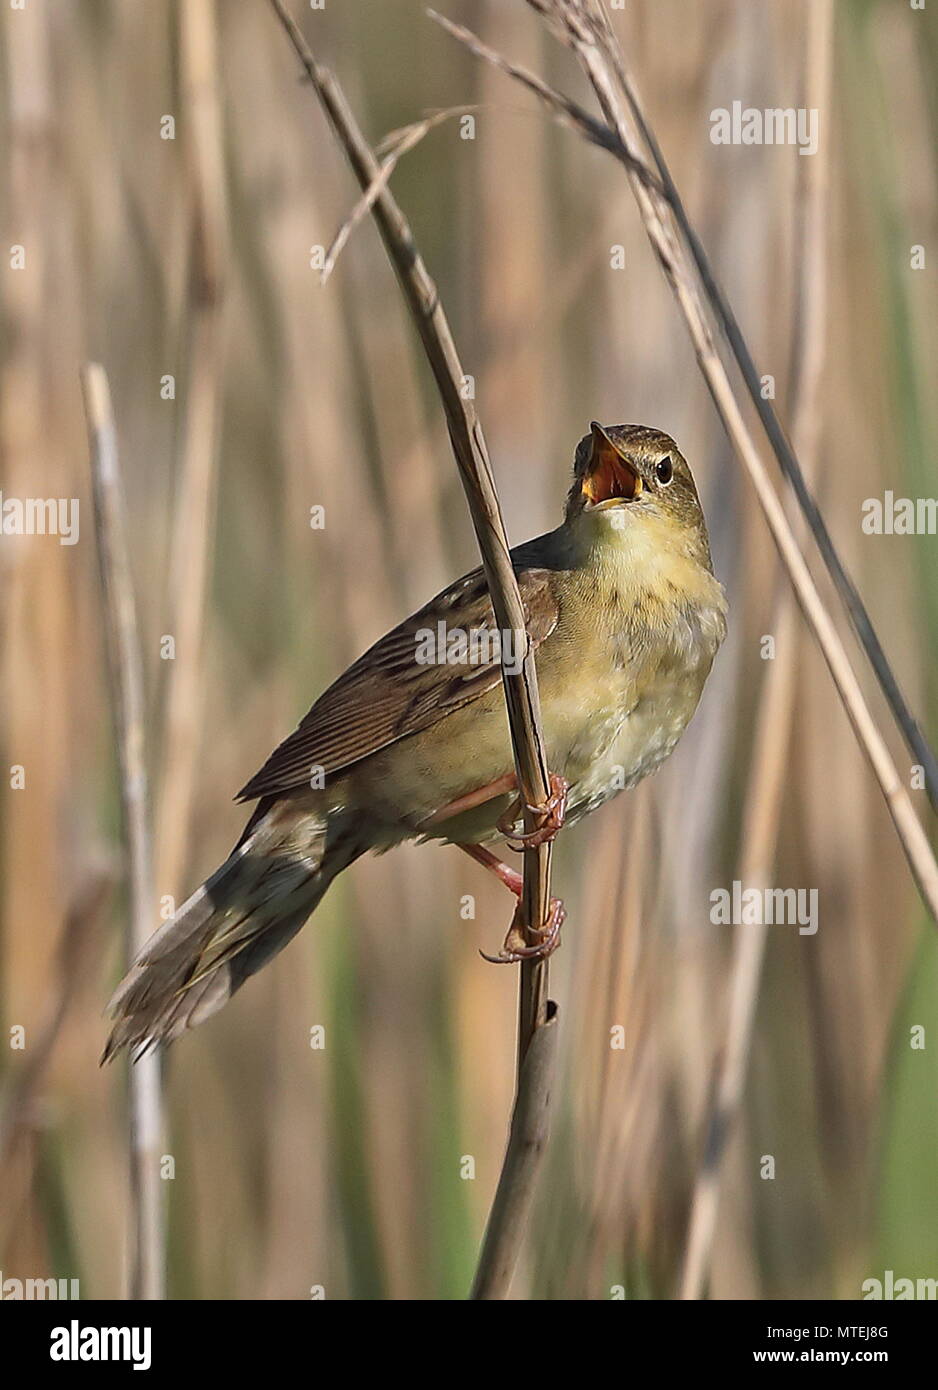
233, 924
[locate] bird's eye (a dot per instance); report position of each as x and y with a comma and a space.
664, 471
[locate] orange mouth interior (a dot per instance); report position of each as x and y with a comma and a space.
610, 478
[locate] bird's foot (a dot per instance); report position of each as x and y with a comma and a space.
523, 945
550, 816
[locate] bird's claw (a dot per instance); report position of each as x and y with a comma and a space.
551, 816
546, 938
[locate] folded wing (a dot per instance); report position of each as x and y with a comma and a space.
388, 694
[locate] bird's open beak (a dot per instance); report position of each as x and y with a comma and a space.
609, 478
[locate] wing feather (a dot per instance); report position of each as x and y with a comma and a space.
387, 694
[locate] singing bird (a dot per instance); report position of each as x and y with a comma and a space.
625, 617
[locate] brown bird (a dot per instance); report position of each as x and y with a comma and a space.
411, 742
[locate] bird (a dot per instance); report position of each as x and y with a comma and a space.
624, 616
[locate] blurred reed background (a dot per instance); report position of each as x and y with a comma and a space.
190, 257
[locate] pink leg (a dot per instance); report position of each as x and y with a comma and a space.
516, 946
510, 877
551, 814
472, 799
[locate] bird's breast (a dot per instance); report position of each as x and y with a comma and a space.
626, 683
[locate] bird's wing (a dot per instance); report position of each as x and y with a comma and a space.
388, 694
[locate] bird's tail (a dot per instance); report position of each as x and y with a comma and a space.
241, 917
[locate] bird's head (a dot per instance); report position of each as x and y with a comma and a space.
628, 475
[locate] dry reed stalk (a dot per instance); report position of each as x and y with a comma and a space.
583, 32
527, 1139
194, 511
521, 696
772, 741
617, 973
33, 580
520, 376
125, 672
392, 149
